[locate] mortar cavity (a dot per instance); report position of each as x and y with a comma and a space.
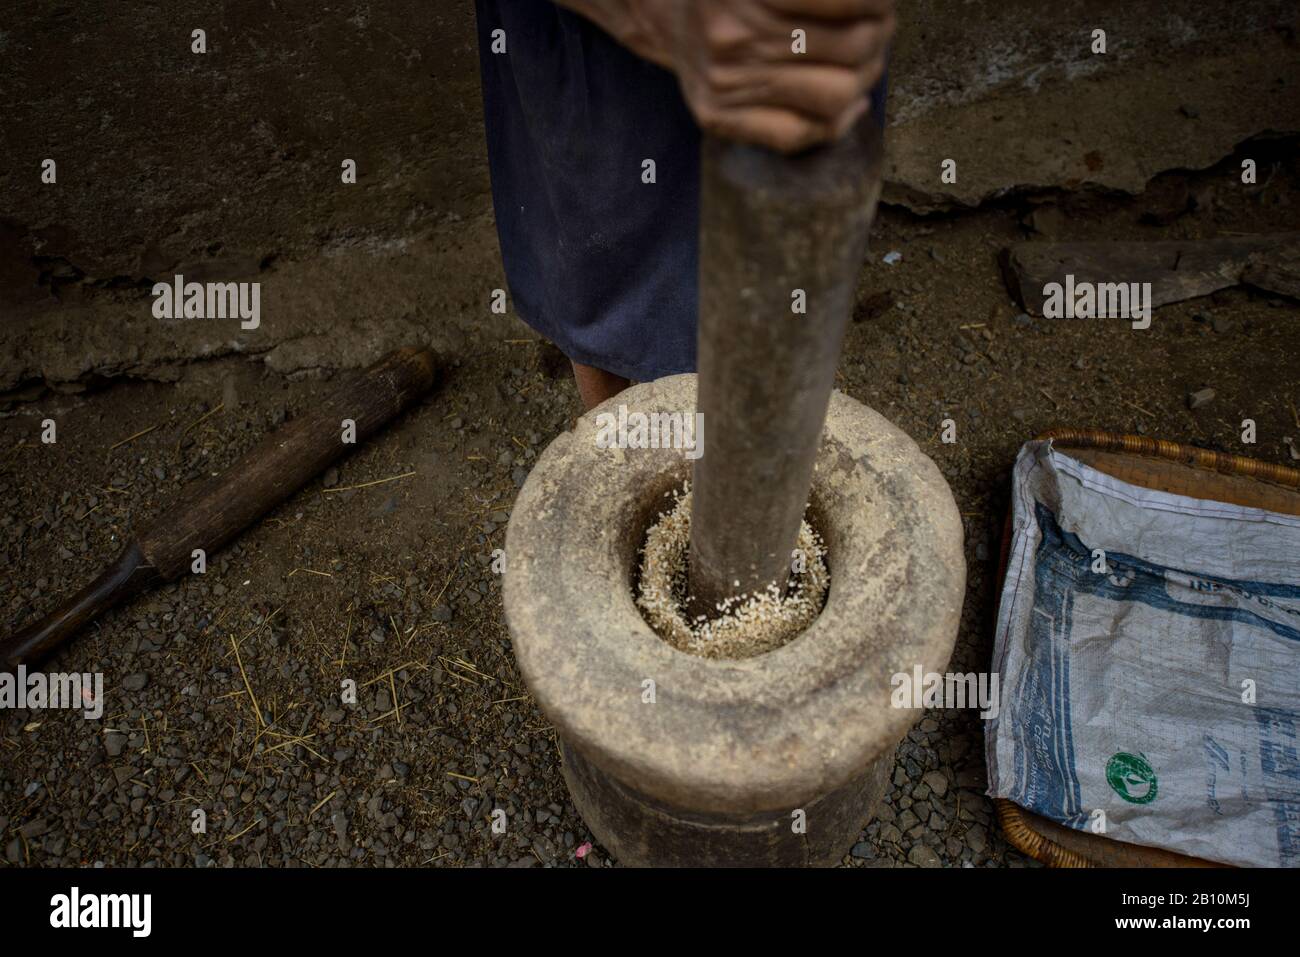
745, 626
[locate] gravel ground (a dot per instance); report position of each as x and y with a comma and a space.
222, 690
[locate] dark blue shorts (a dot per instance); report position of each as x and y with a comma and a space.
598, 261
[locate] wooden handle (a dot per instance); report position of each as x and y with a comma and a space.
782, 239
208, 514
126, 577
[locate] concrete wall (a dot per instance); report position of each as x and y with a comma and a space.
170, 161
166, 158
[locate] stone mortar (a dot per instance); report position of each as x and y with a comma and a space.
713, 771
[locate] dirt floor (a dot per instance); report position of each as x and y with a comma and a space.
223, 689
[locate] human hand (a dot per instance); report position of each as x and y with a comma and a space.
740, 66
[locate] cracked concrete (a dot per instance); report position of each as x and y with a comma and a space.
1022, 103
1114, 126
229, 170
317, 314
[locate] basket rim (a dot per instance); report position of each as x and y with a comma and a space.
1191, 455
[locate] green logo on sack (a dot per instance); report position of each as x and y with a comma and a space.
1132, 777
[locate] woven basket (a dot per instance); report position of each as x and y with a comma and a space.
1170, 467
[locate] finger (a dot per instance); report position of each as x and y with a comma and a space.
782, 130
869, 73
855, 43
831, 9
849, 118
823, 92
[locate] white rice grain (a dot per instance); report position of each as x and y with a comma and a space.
745, 626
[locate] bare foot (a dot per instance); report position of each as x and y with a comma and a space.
596, 385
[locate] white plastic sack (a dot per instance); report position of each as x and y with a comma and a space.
1152, 691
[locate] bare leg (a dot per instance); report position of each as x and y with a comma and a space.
596, 385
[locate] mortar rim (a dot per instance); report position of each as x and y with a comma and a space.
736, 735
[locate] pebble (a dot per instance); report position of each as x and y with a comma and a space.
863, 851
135, 682
937, 781
922, 856
544, 848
